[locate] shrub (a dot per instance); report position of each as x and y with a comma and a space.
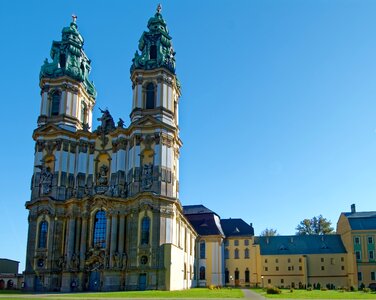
367, 290
273, 290
362, 286
309, 288
291, 290
211, 287
352, 289
324, 289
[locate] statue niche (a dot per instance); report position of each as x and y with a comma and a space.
46, 175
147, 162
102, 173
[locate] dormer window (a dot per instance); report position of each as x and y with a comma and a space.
153, 52
55, 103
150, 96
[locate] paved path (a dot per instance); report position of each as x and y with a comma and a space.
248, 294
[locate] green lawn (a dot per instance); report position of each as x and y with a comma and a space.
317, 294
192, 293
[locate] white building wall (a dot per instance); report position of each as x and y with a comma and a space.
158, 100
74, 106
120, 160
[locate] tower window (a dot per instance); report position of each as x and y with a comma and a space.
153, 52
55, 103
100, 229
150, 95
202, 273
145, 231
43, 230
62, 60
202, 249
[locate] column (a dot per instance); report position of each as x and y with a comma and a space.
70, 239
83, 241
31, 239
113, 239
108, 230
78, 236
121, 234
51, 241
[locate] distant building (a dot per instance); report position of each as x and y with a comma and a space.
9, 277
299, 261
358, 232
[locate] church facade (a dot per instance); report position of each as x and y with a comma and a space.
104, 212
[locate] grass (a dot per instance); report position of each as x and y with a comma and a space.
191, 293
317, 294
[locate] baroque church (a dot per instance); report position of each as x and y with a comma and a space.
105, 215
104, 212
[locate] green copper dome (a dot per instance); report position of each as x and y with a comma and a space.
69, 59
155, 46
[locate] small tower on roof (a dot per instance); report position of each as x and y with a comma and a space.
68, 96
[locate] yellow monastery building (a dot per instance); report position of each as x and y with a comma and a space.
105, 214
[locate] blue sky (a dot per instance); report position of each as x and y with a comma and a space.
277, 117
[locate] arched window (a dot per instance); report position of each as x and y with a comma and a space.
246, 253
236, 274
145, 231
226, 253
236, 253
202, 273
62, 60
153, 52
55, 103
246, 275
100, 229
202, 249
83, 112
43, 230
150, 95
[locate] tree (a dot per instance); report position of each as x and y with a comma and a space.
269, 232
316, 225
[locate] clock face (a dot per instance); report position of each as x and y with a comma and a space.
40, 262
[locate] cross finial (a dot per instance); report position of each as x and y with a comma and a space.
159, 8
74, 18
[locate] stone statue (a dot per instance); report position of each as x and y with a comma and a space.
45, 180
115, 259
147, 176
102, 175
120, 123
75, 261
124, 261
107, 122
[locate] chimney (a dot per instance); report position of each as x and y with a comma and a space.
353, 210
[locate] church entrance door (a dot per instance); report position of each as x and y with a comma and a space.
94, 281
142, 282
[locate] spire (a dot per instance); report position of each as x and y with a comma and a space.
69, 58
155, 46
